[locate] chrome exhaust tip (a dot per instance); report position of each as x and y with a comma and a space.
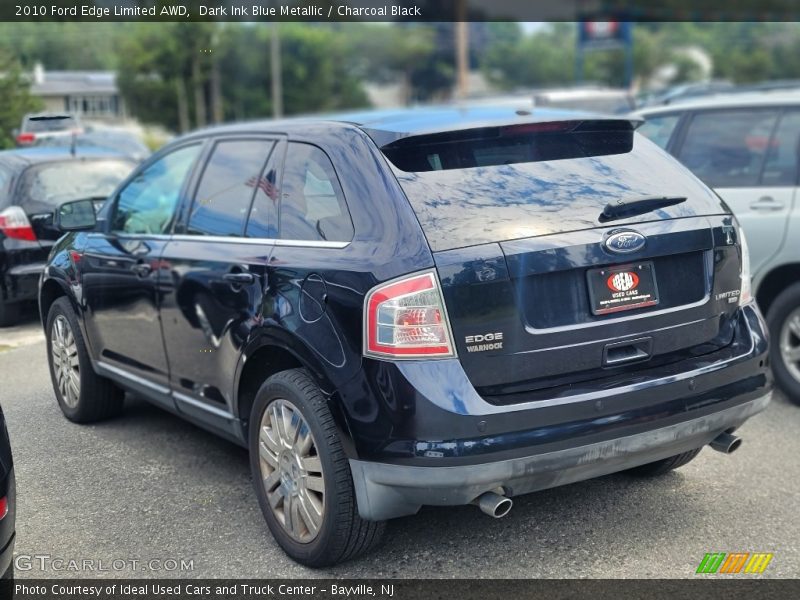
494, 505
726, 443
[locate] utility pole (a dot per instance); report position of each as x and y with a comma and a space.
275, 71
462, 50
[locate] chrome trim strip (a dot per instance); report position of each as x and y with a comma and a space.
183, 237
135, 378
202, 405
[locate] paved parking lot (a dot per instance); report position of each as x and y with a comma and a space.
148, 486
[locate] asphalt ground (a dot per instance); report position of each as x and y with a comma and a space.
148, 487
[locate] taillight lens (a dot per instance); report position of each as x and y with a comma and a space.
3, 508
746, 286
406, 318
14, 224
23, 139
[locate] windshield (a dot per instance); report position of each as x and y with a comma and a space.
58, 182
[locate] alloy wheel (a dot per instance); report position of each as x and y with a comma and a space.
789, 342
64, 354
291, 470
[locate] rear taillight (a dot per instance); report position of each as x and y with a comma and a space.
746, 286
23, 139
14, 224
3, 508
406, 318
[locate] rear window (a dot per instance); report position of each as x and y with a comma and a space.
46, 124
52, 184
510, 145
460, 207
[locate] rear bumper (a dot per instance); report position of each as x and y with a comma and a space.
463, 446
385, 491
21, 282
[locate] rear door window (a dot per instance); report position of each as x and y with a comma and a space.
727, 148
780, 168
226, 188
263, 220
312, 206
659, 128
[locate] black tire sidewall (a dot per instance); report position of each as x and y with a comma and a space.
787, 301
320, 547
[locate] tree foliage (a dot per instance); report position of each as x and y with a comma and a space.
15, 92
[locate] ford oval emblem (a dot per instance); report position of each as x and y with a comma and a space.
625, 242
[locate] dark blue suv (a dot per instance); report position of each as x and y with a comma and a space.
423, 307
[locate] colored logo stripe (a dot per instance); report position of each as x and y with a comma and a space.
734, 562
711, 562
758, 562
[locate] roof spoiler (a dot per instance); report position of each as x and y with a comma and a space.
511, 143
384, 138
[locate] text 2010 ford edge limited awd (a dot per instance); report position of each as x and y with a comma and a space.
425, 307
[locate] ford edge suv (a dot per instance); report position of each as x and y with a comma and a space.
425, 307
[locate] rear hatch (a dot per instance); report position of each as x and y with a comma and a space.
570, 252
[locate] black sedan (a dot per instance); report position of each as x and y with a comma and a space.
32, 183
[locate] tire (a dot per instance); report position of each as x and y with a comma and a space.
97, 398
9, 313
336, 534
783, 321
659, 467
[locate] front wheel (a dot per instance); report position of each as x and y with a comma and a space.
82, 395
783, 320
302, 476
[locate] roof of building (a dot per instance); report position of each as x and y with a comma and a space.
63, 83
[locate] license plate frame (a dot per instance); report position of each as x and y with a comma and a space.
622, 287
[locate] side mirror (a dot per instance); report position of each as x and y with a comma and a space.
77, 215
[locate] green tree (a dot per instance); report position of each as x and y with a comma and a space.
16, 98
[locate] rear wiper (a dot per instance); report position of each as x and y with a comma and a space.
636, 206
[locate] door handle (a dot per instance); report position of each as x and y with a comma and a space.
766, 203
239, 278
142, 269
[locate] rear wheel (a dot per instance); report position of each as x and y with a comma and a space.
302, 476
783, 320
665, 465
82, 395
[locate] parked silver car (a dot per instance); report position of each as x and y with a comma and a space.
747, 147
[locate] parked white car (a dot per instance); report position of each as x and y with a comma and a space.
747, 147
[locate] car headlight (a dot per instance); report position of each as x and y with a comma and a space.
746, 286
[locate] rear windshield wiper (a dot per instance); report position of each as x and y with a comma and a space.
637, 206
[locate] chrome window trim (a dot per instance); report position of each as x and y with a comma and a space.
185, 237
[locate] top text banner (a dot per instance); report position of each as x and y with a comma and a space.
320, 11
